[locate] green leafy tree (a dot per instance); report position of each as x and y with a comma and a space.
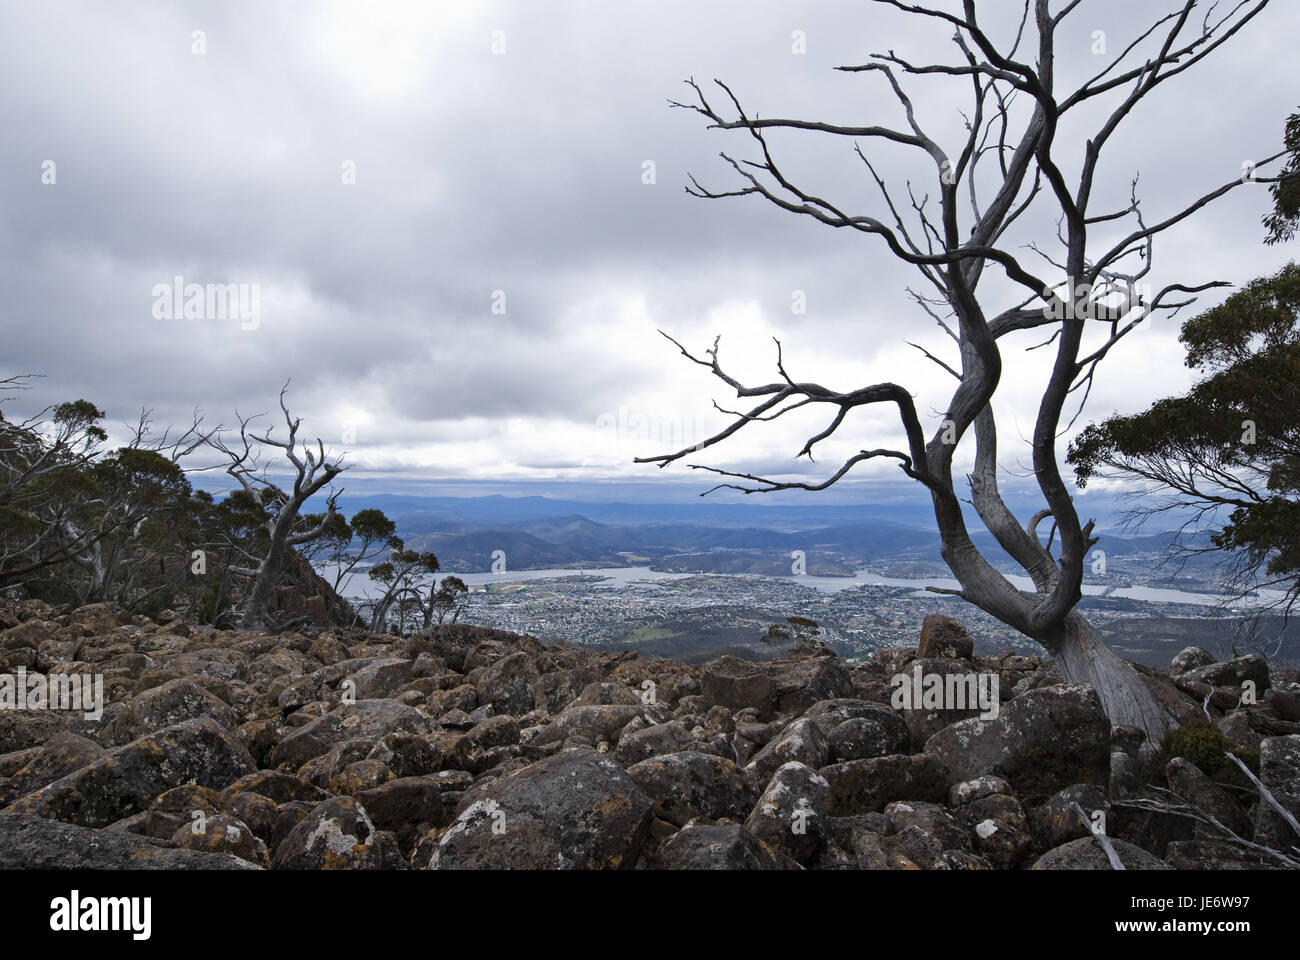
1282, 222
412, 593
1228, 450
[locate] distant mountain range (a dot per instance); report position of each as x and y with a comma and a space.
467, 539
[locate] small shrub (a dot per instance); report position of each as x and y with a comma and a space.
1202, 743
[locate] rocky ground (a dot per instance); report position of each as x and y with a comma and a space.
472, 748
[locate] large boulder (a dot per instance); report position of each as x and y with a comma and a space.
801, 741
791, 814
702, 846
126, 780
554, 691
380, 678
1189, 658
21, 729
690, 784
366, 719
960, 685
1043, 740
35, 843
576, 810
507, 684
866, 786
596, 724
945, 637
653, 741
336, 835
737, 684
61, 755
173, 702
1279, 771
798, 684
1087, 854
223, 834
1232, 673
1189, 782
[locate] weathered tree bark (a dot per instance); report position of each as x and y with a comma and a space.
1081, 656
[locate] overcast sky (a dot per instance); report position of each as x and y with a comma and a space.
504, 147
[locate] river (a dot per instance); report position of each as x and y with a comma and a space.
622, 576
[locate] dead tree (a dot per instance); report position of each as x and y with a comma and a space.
1008, 162
284, 529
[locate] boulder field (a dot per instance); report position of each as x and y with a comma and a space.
469, 748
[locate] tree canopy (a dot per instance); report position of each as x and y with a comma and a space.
1229, 449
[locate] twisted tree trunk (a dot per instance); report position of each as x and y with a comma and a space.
1081, 656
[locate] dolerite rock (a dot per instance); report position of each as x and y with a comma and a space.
687, 785
1285, 704
223, 834
21, 729
409, 806
1189, 658
865, 786
595, 724
180, 806
791, 814
999, 828
968, 791
1087, 854
408, 755
800, 741
365, 719
35, 843
1236, 726
1043, 740
336, 835
508, 684
1055, 822
573, 811
259, 812
1125, 775
1279, 771
216, 662
798, 684
858, 730
737, 684
380, 678
597, 694
173, 702
923, 720
61, 755
126, 780
930, 818
1189, 782
1233, 672
276, 786
702, 846
499, 731
653, 741
357, 776
328, 649
556, 690
944, 637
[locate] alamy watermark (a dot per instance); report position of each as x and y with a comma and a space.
179, 300
75, 913
946, 691
57, 691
